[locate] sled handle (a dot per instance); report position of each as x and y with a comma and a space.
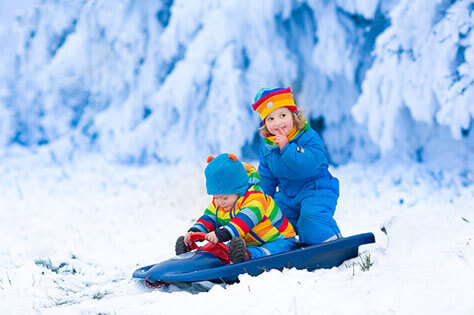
220, 250
195, 237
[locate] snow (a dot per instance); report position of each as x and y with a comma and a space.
422, 56
129, 79
108, 110
72, 235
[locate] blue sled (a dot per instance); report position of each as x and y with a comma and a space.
200, 265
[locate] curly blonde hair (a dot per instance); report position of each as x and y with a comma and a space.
298, 120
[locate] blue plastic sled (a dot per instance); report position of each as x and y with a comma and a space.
201, 265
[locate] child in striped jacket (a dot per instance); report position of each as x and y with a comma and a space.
240, 213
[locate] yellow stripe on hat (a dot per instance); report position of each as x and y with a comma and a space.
275, 102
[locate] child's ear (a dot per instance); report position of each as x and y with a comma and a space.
210, 158
232, 157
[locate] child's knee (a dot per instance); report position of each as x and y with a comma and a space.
317, 230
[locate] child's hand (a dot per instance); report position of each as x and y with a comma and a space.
211, 237
187, 239
280, 138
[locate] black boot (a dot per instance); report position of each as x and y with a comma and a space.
238, 250
180, 247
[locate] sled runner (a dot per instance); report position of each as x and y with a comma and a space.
211, 262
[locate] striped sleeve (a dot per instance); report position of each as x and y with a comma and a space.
246, 219
208, 221
279, 221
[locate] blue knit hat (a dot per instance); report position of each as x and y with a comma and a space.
225, 175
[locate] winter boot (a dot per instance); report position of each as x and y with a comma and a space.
238, 250
180, 247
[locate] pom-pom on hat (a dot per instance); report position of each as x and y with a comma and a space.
225, 175
267, 100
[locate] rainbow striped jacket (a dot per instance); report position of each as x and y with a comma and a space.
255, 216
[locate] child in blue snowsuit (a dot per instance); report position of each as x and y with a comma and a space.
294, 167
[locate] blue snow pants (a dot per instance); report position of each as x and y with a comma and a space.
270, 248
311, 211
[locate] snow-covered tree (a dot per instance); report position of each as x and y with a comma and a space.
173, 80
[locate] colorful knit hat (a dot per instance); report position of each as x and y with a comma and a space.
267, 100
225, 175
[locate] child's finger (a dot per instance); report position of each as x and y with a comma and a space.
280, 131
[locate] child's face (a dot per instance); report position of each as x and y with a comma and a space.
226, 201
280, 119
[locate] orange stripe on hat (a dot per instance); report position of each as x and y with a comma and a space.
273, 101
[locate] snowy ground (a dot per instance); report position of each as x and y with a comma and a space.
72, 235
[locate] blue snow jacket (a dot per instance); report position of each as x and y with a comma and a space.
299, 180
